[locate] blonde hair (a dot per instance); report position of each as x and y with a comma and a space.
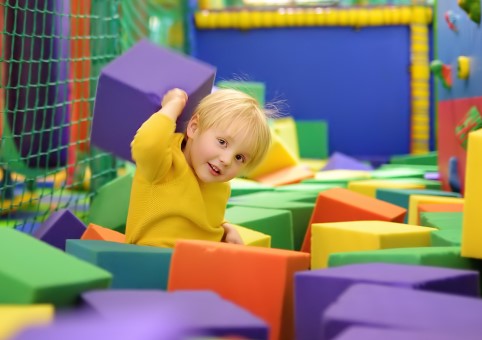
230, 109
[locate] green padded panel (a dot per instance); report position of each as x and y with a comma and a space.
442, 220
300, 212
429, 158
312, 138
131, 266
446, 238
111, 203
239, 188
256, 90
277, 196
32, 271
274, 222
426, 256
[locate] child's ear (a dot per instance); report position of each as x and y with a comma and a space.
192, 126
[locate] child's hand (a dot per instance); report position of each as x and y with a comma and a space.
174, 102
231, 235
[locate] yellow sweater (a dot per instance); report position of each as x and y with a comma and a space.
167, 201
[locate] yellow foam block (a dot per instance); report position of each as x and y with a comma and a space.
341, 174
16, 317
369, 187
336, 237
313, 164
285, 129
471, 227
254, 238
415, 200
278, 157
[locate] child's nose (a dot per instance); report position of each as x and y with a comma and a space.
226, 158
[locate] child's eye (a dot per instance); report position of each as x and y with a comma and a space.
241, 158
222, 141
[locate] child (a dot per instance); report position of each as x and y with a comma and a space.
181, 184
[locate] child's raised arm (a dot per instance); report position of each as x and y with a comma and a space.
173, 103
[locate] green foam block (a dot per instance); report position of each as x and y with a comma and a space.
312, 138
442, 220
32, 271
132, 266
274, 222
446, 238
429, 158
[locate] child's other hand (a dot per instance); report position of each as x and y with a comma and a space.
231, 235
174, 101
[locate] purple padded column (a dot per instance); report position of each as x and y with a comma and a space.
59, 227
131, 87
401, 308
316, 290
203, 313
37, 48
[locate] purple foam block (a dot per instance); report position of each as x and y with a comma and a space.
434, 176
81, 326
401, 308
203, 313
341, 161
131, 87
37, 50
367, 333
59, 227
316, 290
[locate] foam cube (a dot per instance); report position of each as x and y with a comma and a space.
253, 238
397, 172
257, 279
369, 187
285, 128
255, 89
317, 289
288, 175
339, 205
415, 200
17, 317
46, 275
372, 333
401, 308
131, 87
456, 207
338, 161
241, 186
110, 204
472, 233
442, 220
429, 158
448, 257
446, 238
312, 138
199, 312
96, 232
60, 226
336, 237
131, 266
275, 223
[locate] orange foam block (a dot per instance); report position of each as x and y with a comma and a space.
343, 205
289, 175
257, 279
96, 232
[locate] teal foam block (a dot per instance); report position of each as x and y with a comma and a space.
32, 271
274, 222
401, 197
300, 213
132, 266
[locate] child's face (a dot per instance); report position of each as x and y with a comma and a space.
216, 154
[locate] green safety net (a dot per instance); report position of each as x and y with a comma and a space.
51, 54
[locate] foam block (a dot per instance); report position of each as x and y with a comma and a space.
131, 266
253, 238
255, 89
415, 200
397, 172
329, 238
472, 233
448, 257
372, 333
456, 207
315, 188
60, 226
312, 138
442, 220
41, 276
289, 175
339, 160
110, 204
285, 128
201, 312
275, 223
446, 238
317, 289
265, 278
96, 232
241, 186
429, 158
16, 317
401, 308
369, 187
338, 205
300, 214
131, 87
